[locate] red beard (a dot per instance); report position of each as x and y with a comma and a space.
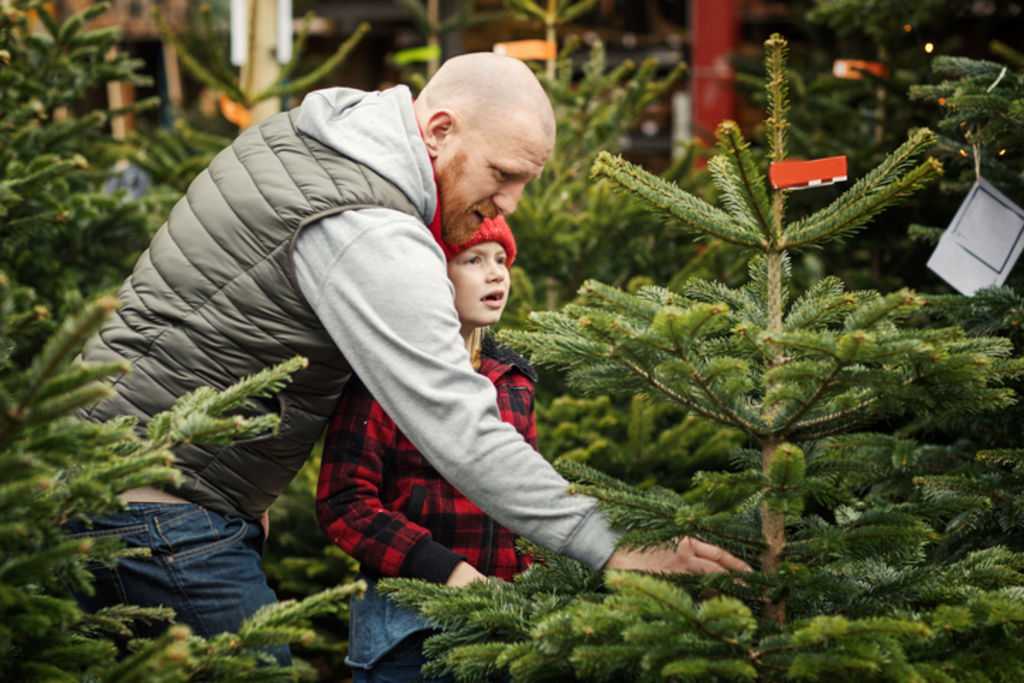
459, 221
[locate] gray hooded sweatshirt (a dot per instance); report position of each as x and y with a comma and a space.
377, 280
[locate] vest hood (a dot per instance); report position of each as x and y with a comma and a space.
377, 130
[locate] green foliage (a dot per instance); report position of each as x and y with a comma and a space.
864, 118
570, 228
845, 526
748, 220
487, 625
57, 468
59, 231
981, 102
174, 157
983, 106
214, 69
463, 17
550, 14
643, 442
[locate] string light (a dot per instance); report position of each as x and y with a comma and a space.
942, 101
928, 47
906, 27
963, 152
1002, 152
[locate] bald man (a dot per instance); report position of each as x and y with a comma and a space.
317, 233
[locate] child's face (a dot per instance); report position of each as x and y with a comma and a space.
481, 284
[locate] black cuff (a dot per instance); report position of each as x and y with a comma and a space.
430, 561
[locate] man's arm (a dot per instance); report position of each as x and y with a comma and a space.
379, 284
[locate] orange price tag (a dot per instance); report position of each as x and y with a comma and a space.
799, 175
234, 112
851, 68
528, 49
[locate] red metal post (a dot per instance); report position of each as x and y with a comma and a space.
714, 31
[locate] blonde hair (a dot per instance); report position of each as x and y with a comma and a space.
474, 345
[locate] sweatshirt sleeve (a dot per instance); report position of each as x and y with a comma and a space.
378, 282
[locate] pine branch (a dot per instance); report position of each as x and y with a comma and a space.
304, 83
695, 214
740, 184
890, 182
217, 76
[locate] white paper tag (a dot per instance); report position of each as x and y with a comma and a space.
983, 241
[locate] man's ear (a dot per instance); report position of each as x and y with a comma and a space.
440, 127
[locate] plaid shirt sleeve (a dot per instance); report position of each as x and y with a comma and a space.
359, 446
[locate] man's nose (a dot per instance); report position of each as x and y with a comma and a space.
507, 198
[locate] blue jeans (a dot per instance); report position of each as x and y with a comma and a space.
401, 665
204, 565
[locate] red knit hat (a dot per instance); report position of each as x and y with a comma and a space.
491, 230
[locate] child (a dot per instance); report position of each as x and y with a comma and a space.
387, 507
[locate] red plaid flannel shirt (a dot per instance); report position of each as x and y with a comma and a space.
386, 506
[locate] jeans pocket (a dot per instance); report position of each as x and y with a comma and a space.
108, 585
196, 533
121, 525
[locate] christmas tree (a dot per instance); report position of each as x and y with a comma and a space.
852, 66
65, 235
57, 468
843, 584
60, 232
426, 17
977, 472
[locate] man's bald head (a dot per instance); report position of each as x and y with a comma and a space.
485, 86
489, 129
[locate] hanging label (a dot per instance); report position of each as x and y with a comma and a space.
851, 69
983, 241
528, 49
799, 175
234, 112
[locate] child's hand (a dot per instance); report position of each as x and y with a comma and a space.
463, 573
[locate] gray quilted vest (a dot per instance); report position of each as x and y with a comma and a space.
214, 298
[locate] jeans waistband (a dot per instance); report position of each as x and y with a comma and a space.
149, 494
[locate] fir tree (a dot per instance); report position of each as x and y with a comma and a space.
203, 55
642, 441
980, 482
58, 468
425, 16
569, 227
843, 584
60, 232
866, 115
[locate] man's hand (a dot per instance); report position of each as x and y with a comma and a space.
690, 556
265, 523
463, 573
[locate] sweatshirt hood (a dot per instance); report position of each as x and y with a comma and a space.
379, 130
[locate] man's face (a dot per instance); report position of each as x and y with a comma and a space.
481, 174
